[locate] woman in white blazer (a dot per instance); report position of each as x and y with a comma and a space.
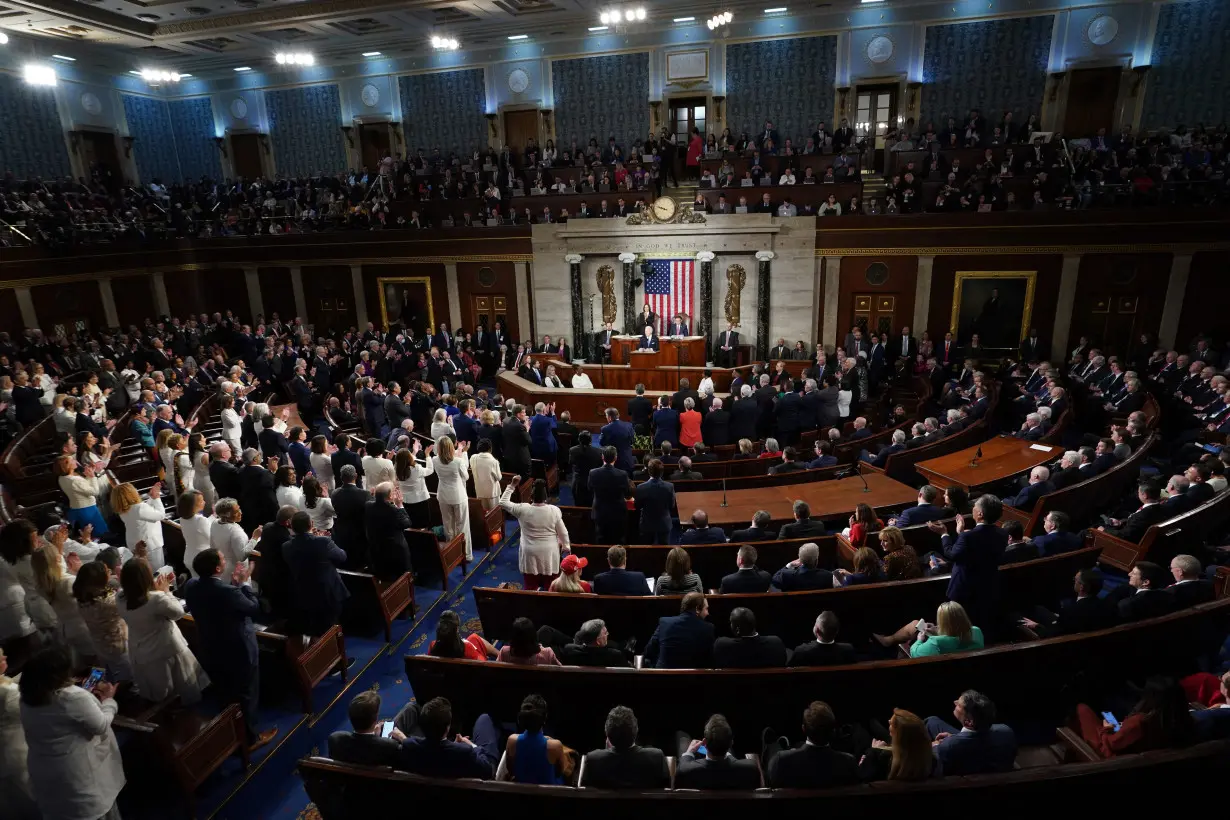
14, 778
232, 424
228, 538
486, 471
195, 524
142, 520
452, 467
321, 460
162, 663
412, 480
75, 768
544, 538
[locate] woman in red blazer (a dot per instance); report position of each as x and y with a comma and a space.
689, 424
1160, 720
696, 147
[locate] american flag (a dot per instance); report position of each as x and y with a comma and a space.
669, 285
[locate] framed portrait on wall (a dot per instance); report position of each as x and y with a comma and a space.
997, 305
405, 301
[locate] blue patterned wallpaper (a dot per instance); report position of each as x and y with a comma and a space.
444, 110
305, 129
192, 123
757, 86
1190, 78
31, 140
150, 125
994, 66
602, 97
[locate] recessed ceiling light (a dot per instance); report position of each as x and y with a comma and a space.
243, 68
371, 54
685, 19
134, 71
181, 76
36, 74
775, 10
4, 38
66, 59
871, 1
598, 28
518, 36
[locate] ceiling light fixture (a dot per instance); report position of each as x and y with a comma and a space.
518, 36
155, 76
65, 59
718, 20
627, 15
684, 20
871, 1
371, 54
4, 38
243, 68
36, 74
295, 58
598, 28
776, 10
445, 43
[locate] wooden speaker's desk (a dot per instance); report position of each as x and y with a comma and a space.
685, 351
827, 499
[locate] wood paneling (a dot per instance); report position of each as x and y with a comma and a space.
470, 283
1202, 314
208, 291
134, 298
1118, 297
277, 295
56, 304
329, 294
10, 312
1046, 293
900, 286
439, 289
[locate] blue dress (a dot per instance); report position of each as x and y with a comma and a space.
531, 764
665, 426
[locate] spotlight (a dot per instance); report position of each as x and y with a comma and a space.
36, 74
4, 38
605, 17
281, 58
640, 14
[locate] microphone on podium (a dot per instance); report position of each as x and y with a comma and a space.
977, 455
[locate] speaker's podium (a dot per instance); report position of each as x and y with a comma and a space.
685, 351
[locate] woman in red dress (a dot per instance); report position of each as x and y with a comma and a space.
449, 644
696, 147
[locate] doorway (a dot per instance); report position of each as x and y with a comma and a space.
876, 107
1092, 93
519, 128
101, 159
685, 114
246, 156
488, 309
374, 144
874, 313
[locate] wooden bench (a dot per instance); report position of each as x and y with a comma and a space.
900, 465
428, 550
861, 609
710, 561
1025, 680
374, 603
1163, 541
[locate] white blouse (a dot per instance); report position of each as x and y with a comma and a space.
322, 514
196, 531
377, 470
322, 468
82, 492
414, 488
143, 522
232, 542
290, 496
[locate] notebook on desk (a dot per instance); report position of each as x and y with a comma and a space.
741, 209
746, 183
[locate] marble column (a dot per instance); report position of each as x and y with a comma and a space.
630, 313
107, 296
579, 342
1063, 312
25, 303
922, 297
359, 296
832, 297
522, 275
296, 287
1172, 310
764, 261
257, 305
161, 305
705, 316
455, 317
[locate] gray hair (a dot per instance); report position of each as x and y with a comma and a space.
764, 379
745, 391
717, 404
899, 437
688, 404
227, 509
809, 555
809, 385
953, 415
1044, 412
771, 445
1187, 565
215, 449
1034, 418
251, 455
1070, 458
349, 474
1179, 483
1041, 473
589, 631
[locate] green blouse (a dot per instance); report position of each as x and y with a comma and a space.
945, 645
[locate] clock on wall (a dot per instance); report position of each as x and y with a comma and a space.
518, 80
91, 104
239, 108
370, 95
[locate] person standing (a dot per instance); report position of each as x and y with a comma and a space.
452, 466
317, 591
162, 664
14, 771
486, 471
544, 538
610, 488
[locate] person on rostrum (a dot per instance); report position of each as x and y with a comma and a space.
813, 764
748, 649
623, 764
365, 745
718, 768
747, 578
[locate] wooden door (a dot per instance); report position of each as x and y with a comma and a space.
876, 108
1091, 101
102, 158
246, 155
686, 114
874, 313
488, 309
519, 128
374, 144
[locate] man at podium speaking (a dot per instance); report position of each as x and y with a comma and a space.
648, 341
678, 327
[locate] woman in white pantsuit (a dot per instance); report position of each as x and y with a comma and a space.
162, 663
544, 538
232, 424
452, 466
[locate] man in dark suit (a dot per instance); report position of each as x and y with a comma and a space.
803, 572
604, 341
1189, 588
758, 531
222, 473
617, 580
516, 438
271, 571
811, 765
1144, 595
683, 641
748, 577
980, 746
435, 755
640, 411
678, 327
655, 503
1057, 537
1039, 485
925, 510
620, 435
903, 345
648, 340
1151, 512
1198, 489
748, 649
226, 638
583, 458
718, 768
779, 351
790, 463
881, 458
803, 526
824, 650
345, 456
744, 416
1033, 349
365, 745
317, 591
257, 496
701, 532
684, 393
975, 555
591, 645
715, 426
385, 523
788, 414
623, 764
350, 515
610, 488
727, 347
1085, 613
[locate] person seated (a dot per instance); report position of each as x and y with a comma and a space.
881, 458
803, 526
824, 456
1143, 596
623, 764
569, 579
591, 647
685, 471
434, 754
523, 647
908, 754
617, 580
813, 764
980, 746
1039, 485
678, 578
758, 531
824, 650
1057, 537
701, 532
747, 578
1088, 612
790, 463
951, 632
1160, 720
862, 523
803, 572
867, 570
366, 744
1189, 587
683, 641
532, 757
925, 510
748, 649
1019, 547
448, 642
716, 767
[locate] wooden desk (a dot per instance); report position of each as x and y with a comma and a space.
827, 499
589, 406
690, 350
1002, 458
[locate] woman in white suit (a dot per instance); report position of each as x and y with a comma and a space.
452, 466
196, 525
232, 424
544, 538
142, 520
14, 779
162, 663
75, 768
